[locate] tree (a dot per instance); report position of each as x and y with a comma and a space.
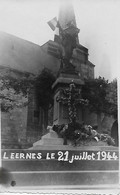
111, 97
95, 91
14, 91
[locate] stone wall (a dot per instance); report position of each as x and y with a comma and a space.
13, 128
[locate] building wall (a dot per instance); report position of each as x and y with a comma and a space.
13, 128
24, 56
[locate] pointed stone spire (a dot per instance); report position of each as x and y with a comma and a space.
66, 14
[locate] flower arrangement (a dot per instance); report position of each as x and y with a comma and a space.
81, 132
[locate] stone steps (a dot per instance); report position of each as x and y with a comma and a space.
49, 139
65, 179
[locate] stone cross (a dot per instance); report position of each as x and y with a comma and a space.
71, 97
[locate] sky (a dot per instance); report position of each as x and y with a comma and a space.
98, 21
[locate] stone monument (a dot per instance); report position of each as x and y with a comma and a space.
67, 76
80, 165
67, 87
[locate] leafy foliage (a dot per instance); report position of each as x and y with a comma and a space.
95, 91
111, 97
18, 84
13, 91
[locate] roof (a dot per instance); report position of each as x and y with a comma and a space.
25, 56
90, 63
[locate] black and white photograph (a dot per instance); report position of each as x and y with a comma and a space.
59, 83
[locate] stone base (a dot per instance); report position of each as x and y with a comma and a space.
50, 139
